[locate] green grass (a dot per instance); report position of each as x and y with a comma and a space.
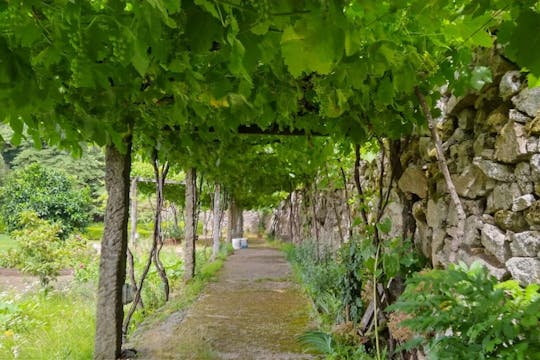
6, 242
59, 325
95, 231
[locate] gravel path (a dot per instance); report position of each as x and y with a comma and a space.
253, 311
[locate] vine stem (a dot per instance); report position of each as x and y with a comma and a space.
443, 166
358, 183
375, 306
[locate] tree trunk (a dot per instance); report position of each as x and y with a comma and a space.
315, 222
235, 221
133, 210
230, 220
175, 219
238, 220
190, 229
216, 231
291, 218
112, 267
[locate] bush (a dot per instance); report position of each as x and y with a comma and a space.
47, 192
41, 252
464, 313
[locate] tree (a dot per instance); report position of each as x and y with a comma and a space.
51, 194
216, 226
190, 232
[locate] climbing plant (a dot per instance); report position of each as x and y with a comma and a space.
173, 75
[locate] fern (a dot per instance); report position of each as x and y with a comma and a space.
318, 341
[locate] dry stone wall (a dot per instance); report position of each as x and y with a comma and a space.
492, 143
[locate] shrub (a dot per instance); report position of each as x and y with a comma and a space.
464, 313
49, 193
41, 251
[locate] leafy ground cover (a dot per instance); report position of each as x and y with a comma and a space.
6, 242
497, 319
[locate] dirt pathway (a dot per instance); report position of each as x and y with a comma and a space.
253, 311
12, 280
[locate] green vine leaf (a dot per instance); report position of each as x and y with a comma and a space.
308, 46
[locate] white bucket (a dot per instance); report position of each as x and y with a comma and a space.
243, 243
236, 243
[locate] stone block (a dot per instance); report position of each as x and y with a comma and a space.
517, 116
523, 202
437, 244
437, 213
502, 197
526, 243
532, 145
472, 231
511, 144
509, 220
535, 167
495, 170
479, 144
471, 183
494, 240
524, 269
532, 214
494, 268
414, 181
474, 207
528, 101
496, 119
523, 177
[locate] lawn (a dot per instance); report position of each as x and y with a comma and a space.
6, 242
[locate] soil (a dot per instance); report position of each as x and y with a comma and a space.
253, 311
13, 280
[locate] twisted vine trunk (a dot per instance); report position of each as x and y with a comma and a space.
190, 230
358, 184
158, 236
112, 266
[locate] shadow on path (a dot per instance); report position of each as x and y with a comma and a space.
253, 311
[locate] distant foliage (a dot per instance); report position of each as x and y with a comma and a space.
41, 251
87, 171
464, 313
49, 193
